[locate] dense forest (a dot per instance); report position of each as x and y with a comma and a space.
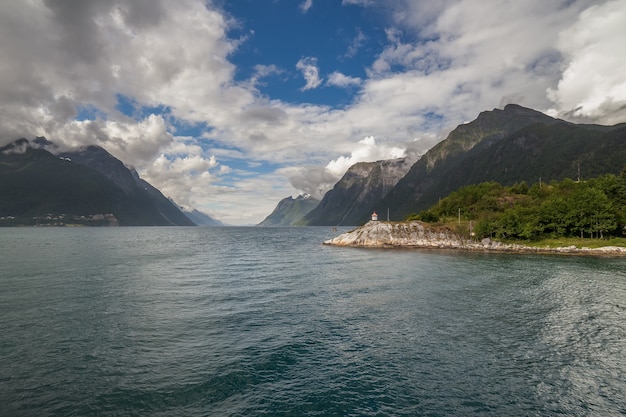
594, 208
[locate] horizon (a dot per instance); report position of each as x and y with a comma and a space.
230, 107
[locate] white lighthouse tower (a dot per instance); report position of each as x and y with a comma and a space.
374, 216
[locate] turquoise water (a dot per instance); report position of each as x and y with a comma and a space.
268, 322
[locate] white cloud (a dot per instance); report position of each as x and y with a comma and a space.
315, 180
306, 5
186, 179
367, 151
310, 72
263, 71
358, 2
357, 43
593, 84
443, 62
338, 79
134, 142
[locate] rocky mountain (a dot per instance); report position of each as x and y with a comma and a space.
352, 198
290, 210
87, 186
508, 146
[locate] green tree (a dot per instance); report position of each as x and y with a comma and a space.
590, 211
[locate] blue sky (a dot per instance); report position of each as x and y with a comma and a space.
228, 106
339, 38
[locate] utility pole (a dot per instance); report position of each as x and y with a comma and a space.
459, 216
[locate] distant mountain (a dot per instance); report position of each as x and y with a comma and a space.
87, 186
351, 199
202, 219
511, 145
290, 210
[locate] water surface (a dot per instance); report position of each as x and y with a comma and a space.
267, 321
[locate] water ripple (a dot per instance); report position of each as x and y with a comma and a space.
267, 322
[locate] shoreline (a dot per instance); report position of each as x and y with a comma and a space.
418, 235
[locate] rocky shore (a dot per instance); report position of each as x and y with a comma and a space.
378, 234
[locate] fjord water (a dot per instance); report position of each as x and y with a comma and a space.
267, 321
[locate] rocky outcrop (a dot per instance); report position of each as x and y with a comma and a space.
378, 234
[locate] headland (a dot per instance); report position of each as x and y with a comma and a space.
415, 234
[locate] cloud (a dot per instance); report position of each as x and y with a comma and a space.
114, 47
306, 5
357, 2
357, 43
338, 79
315, 180
444, 63
310, 71
185, 178
263, 71
440, 65
593, 85
367, 151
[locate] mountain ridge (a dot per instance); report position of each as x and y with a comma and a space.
509, 145
73, 187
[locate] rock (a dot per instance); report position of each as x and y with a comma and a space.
410, 234
415, 234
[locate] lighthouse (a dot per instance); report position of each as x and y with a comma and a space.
374, 216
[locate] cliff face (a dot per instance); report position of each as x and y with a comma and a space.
350, 201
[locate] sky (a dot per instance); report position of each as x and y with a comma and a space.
229, 106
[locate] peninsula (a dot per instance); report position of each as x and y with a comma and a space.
416, 234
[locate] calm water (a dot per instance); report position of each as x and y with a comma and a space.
268, 322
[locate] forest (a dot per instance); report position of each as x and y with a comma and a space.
594, 208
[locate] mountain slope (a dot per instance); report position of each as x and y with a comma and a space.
352, 197
290, 210
526, 146
38, 186
202, 219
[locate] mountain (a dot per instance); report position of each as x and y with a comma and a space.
202, 219
508, 146
290, 210
352, 198
87, 186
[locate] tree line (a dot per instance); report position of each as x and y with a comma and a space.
594, 208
